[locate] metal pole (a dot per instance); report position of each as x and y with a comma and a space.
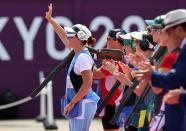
42, 114
49, 122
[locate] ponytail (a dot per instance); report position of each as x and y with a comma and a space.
91, 41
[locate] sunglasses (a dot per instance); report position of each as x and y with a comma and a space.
130, 42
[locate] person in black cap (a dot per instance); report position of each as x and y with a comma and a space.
81, 101
144, 46
107, 81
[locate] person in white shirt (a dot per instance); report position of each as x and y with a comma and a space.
81, 100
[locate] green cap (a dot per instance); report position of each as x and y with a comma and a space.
156, 22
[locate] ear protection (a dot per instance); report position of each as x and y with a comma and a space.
145, 44
80, 33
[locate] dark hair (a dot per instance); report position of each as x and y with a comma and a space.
91, 41
149, 28
113, 34
147, 39
183, 25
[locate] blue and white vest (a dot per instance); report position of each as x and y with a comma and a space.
74, 83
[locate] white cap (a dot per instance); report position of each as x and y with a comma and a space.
83, 33
70, 32
126, 36
174, 18
136, 35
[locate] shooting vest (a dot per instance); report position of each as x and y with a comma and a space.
74, 83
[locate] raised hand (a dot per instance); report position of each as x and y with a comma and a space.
144, 65
109, 66
124, 68
145, 71
121, 77
136, 58
48, 14
173, 96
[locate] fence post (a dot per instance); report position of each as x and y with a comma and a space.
49, 121
42, 115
